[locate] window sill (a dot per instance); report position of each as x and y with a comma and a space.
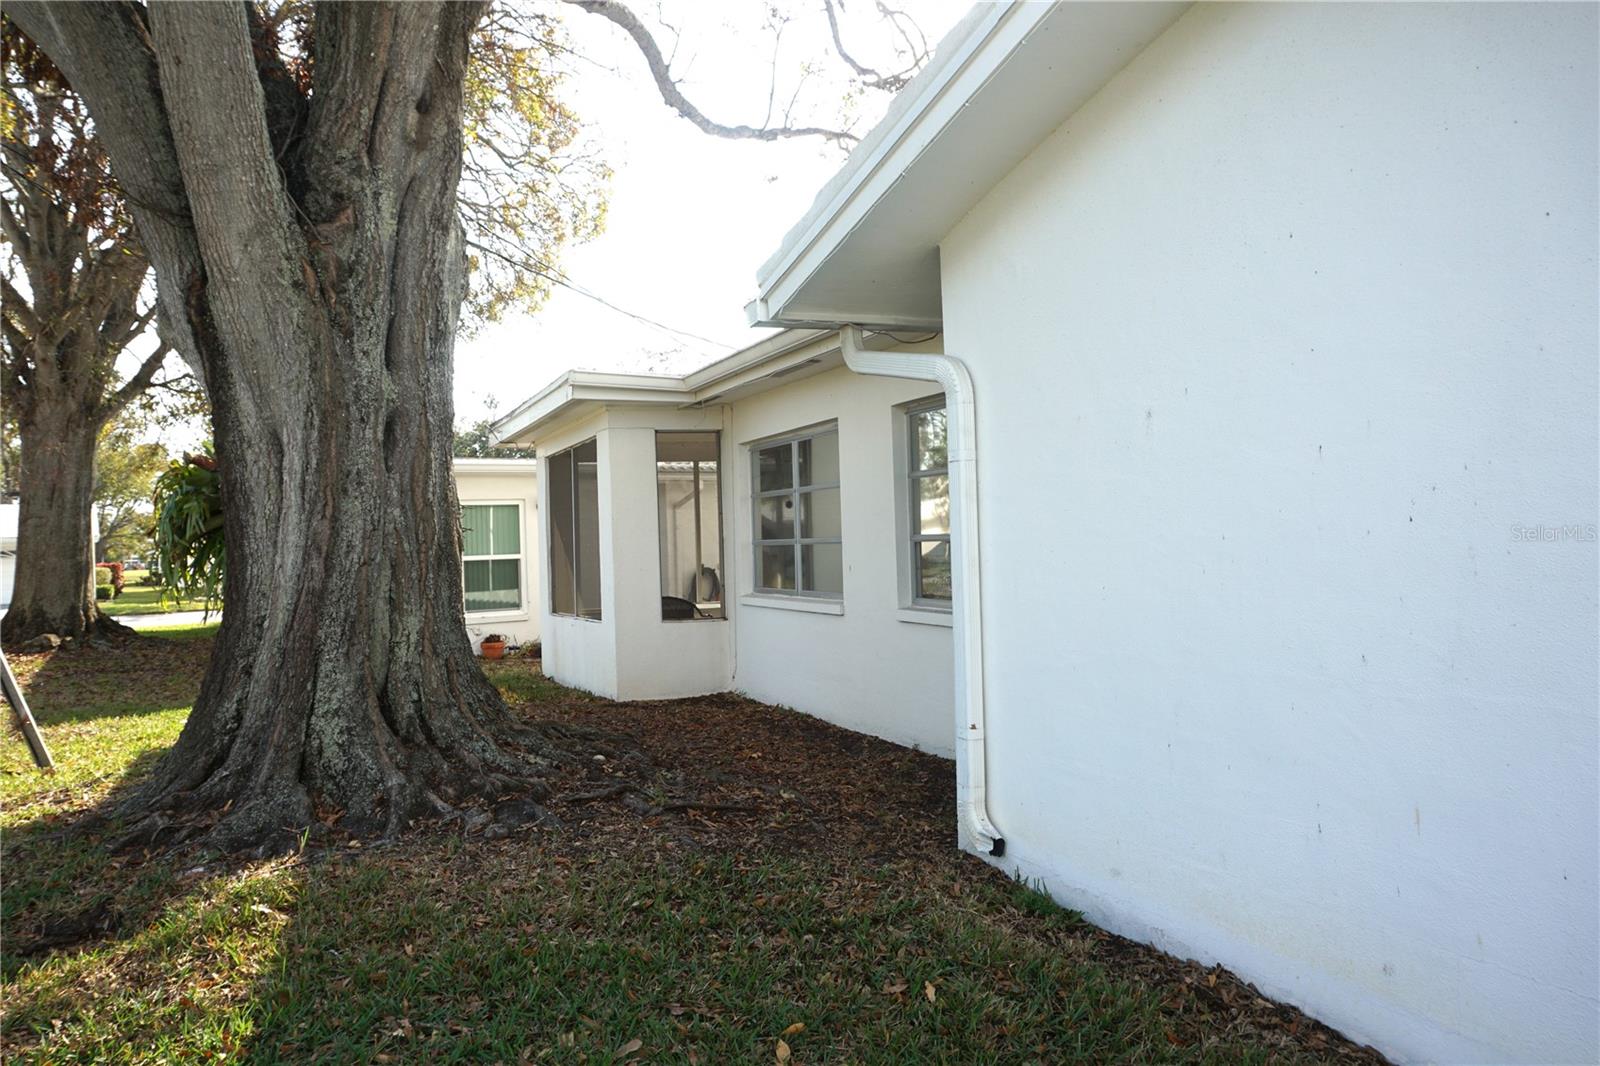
476, 618
794, 603
926, 616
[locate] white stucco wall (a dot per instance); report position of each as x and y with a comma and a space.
868, 668
8, 551
580, 652
656, 659
493, 483
1279, 343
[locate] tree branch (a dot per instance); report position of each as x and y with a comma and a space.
104, 50
135, 386
620, 15
18, 308
872, 78
236, 194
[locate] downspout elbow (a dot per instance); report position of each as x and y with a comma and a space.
976, 828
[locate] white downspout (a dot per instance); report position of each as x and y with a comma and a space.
971, 799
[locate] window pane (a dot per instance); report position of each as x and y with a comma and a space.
689, 521
587, 472
774, 469
819, 460
776, 517
819, 513
493, 585
822, 568
928, 445
563, 574
776, 567
474, 530
930, 503
505, 529
933, 570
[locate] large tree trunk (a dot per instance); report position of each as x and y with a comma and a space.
325, 274
54, 585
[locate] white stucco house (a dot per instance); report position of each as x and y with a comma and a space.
1261, 343
499, 508
9, 513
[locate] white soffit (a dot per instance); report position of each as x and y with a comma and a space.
1007, 76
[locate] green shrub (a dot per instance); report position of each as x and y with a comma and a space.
103, 592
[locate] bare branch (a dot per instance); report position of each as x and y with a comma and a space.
874, 79
104, 50
620, 15
18, 311
136, 385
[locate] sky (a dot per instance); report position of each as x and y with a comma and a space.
691, 216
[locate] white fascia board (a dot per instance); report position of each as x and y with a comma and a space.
559, 399
582, 388
905, 133
759, 313
1008, 76
971, 62
763, 351
491, 465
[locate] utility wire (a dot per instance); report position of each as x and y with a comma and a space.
557, 277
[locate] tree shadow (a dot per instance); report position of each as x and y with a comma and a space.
137, 675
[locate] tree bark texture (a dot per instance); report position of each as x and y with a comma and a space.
312, 254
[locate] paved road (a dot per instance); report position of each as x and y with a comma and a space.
171, 618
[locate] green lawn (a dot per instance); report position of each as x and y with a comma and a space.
821, 917
147, 599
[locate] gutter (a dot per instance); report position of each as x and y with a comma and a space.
971, 744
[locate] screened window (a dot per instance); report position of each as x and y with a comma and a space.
929, 472
798, 549
573, 484
689, 516
491, 556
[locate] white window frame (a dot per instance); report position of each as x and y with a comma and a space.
523, 609
914, 606
549, 553
700, 533
795, 489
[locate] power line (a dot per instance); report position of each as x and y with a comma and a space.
556, 276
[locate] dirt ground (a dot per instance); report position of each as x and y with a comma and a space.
727, 773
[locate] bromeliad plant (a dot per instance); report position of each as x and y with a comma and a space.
188, 532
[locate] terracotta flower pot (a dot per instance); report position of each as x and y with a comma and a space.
493, 649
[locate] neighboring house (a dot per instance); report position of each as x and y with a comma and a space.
10, 515
1272, 333
499, 508
8, 551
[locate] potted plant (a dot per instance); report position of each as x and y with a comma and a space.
493, 645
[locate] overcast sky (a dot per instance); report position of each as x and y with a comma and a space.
691, 216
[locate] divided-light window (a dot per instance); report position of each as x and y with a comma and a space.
491, 556
573, 484
927, 451
798, 547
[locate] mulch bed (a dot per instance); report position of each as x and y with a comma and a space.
737, 774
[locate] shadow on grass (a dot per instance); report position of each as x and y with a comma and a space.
616, 938
142, 674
